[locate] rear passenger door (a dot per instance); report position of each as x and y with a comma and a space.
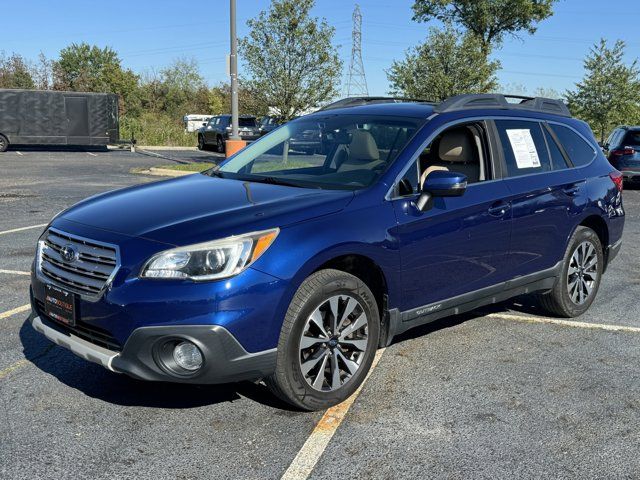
545, 194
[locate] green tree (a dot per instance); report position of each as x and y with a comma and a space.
86, 68
446, 64
489, 20
289, 57
609, 94
15, 72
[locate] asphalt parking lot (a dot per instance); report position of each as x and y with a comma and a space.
498, 393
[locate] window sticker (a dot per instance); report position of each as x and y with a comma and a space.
523, 148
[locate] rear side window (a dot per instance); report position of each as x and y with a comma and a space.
525, 150
558, 162
579, 151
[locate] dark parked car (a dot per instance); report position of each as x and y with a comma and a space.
295, 269
269, 123
623, 151
218, 129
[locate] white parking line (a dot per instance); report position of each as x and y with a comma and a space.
306, 459
14, 272
92, 154
565, 323
15, 311
23, 228
20, 153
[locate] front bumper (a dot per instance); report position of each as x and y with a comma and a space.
631, 174
224, 358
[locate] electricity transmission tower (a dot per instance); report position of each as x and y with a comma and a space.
357, 81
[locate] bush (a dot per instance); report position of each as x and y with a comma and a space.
157, 129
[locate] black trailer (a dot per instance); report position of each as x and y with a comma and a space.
46, 117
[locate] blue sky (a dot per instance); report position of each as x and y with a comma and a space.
150, 34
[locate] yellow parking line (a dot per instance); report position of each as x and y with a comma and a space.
306, 459
565, 323
14, 272
15, 311
13, 230
11, 368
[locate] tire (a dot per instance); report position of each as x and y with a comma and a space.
201, 144
304, 348
579, 281
219, 145
4, 143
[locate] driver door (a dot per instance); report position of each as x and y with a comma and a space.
458, 244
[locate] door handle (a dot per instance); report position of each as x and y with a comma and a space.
499, 210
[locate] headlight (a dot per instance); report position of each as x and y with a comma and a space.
210, 260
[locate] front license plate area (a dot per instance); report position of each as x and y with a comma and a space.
60, 305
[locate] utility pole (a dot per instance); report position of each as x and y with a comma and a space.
357, 81
234, 143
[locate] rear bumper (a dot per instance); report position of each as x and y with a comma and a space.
224, 358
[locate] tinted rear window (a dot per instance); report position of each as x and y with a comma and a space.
632, 139
247, 122
578, 150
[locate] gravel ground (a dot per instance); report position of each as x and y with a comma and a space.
466, 397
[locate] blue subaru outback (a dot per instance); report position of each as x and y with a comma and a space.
295, 266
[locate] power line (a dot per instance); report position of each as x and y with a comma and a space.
357, 81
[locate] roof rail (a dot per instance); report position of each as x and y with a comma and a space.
500, 101
357, 101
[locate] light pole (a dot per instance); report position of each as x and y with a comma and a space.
234, 143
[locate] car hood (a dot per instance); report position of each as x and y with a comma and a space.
197, 208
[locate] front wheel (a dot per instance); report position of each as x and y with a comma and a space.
579, 280
327, 342
4, 143
201, 144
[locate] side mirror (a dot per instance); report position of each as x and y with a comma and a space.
204, 124
441, 183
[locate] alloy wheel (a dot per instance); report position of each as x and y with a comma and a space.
333, 343
582, 274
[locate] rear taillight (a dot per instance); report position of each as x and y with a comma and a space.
620, 152
617, 178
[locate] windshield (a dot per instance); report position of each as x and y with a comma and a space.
345, 151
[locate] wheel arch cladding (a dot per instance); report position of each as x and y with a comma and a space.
366, 270
598, 225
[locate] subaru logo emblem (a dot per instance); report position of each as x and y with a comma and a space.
68, 254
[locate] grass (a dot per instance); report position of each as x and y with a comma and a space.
156, 129
188, 167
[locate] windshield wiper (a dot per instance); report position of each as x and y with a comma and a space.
274, 181
215, 173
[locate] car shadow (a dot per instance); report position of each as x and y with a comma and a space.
97, 382
525, 304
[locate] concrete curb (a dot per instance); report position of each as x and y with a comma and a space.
164, 172
159, 147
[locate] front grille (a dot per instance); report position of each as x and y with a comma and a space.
88, 273
90, 333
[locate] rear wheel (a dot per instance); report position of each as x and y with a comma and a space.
582, 270
327, 342
4, 143
220, 145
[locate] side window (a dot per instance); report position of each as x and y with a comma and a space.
579, 151
558, 162
462, 149
525, 151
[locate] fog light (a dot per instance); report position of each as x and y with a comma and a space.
187, 356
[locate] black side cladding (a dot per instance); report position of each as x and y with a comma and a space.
37, 117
